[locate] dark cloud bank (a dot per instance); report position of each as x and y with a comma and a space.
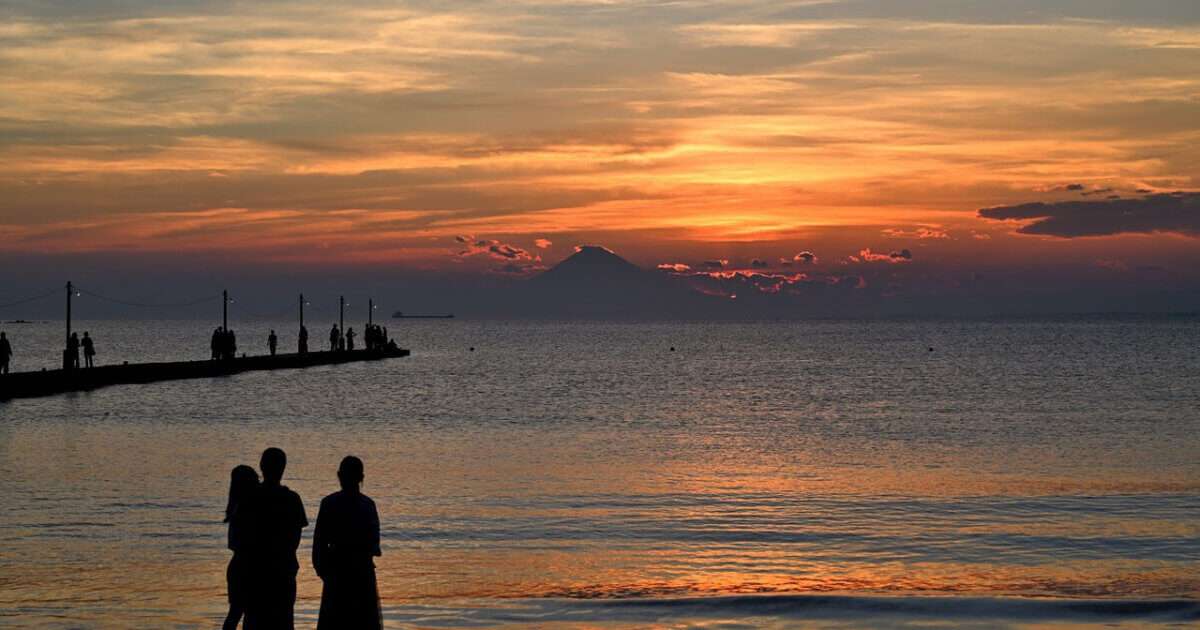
1177, 213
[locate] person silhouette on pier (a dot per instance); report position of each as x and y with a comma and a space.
243, 486
272, 341
303, 343
345, 544
275, 518
73, 351
89, 350
224, 344
5, 352
334, 336
350, 338
378, 338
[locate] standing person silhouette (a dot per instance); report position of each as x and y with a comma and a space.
272, 341
89, 350
217, 339
5, 352
276, 518
243, 485
73, 351
334, 335
303, 344
345, 543
350, 335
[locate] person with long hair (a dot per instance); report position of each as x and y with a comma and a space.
243, 485
345, 544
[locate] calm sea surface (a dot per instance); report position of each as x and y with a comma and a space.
827, 474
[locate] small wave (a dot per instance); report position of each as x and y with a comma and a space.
932, 607
846, 610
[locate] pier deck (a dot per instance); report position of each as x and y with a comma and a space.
50, 382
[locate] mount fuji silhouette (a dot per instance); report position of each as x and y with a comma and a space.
594, 282
592, 264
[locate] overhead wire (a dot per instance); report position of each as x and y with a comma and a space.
289, 309
145, 304
31, 299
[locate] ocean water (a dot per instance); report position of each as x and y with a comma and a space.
818, 474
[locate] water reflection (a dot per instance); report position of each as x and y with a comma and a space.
597, 469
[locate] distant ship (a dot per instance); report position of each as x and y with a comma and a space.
402, 315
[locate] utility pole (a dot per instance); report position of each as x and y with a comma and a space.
225, 310
70, 291
341, 318
370, 311
66, 355
302, 310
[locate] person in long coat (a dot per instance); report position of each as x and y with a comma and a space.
345, 544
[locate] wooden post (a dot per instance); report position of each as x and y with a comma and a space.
225, 310
370, 312
70, 291
302, 310
66, 358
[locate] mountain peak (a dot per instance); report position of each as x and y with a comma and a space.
595, 282
595, 255
591, 263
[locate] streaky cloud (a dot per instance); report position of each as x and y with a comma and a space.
1176, 213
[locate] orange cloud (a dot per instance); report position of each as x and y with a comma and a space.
868, 256
919, 232
521, 123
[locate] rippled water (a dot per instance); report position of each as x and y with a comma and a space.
580, 474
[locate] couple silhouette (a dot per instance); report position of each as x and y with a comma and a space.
265, 521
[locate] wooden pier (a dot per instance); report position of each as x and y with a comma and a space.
51, 382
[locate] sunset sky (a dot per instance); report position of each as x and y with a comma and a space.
901, 142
